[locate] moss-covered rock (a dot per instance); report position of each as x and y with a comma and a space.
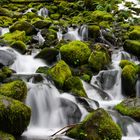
4, 73
55, 16
130, 107
43, 70
49, 55
123, 63
132, 46
15, 36
20, 46
98, 125
5, 12
14, 116
86, 77
5, 21
23, 26
75, 53
134, 34
129, 77
99, 58
16, 90
93, 31
75, 86
6, 136
59, 73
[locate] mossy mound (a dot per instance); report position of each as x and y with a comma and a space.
55, 16
98, 125
5, 21
15, 36
75, 86
42, 24
6, 136
99, 58
134, 34
43, 70
49, 55
132, 46
16, 90
93, 31
123, 63
75, 53
23, 26
59, 73
130, 107
14, 116
129, 77
4, 73
5, 12
20, 46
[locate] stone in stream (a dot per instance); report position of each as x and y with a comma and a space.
14, 116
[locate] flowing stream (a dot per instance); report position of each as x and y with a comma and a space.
52, 111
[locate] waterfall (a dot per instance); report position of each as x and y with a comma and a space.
3, 31
43, 12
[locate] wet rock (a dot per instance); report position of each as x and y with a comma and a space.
14, 116
98, 125
6, 58
71, 111
42, 24
130, 107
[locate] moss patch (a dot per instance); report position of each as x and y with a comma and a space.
6, 136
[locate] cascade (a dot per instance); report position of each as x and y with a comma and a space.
43, 12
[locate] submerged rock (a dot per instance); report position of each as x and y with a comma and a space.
6, 136
75, 53
74, 85
16, 90
14, 116
130, 107
98, 125
59, 73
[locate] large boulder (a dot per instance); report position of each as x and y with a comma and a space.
6, 58
75, 86
59, 73
130, 107
14, 116
75, 53
16, 90
23, 26
134, 34
98, 125
6, 136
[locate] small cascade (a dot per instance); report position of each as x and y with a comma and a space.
138, 87
40, 38
43, 12
83, 32
3, 31
28, 11
26, 64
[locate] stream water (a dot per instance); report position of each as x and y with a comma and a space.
52, 111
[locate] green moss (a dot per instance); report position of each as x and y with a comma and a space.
55, 16
75, 53
4, 73
98, 125
14, 116
123, 63
93, 31
129, 77
130, 107
43, 70
74, 85
135, 33
16, 90
86, 77
59, 73
132, 46
5, 21
23, 26
5, 12
20, 46
6, 136
17, 35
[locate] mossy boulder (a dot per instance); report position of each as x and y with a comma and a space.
16, 90
5, 12
132, 46
49, 55
129, 77
6, 136
134, 34
130, 107
15, 36
93, 31
75, 86
4, 73
19, 46
98, 16
59, 73
23, 26
98, 125
86, 77
75, 53
123, 63
55, 16
42, 24
14, 116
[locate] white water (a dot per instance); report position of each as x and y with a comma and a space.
43, 12
3, 31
